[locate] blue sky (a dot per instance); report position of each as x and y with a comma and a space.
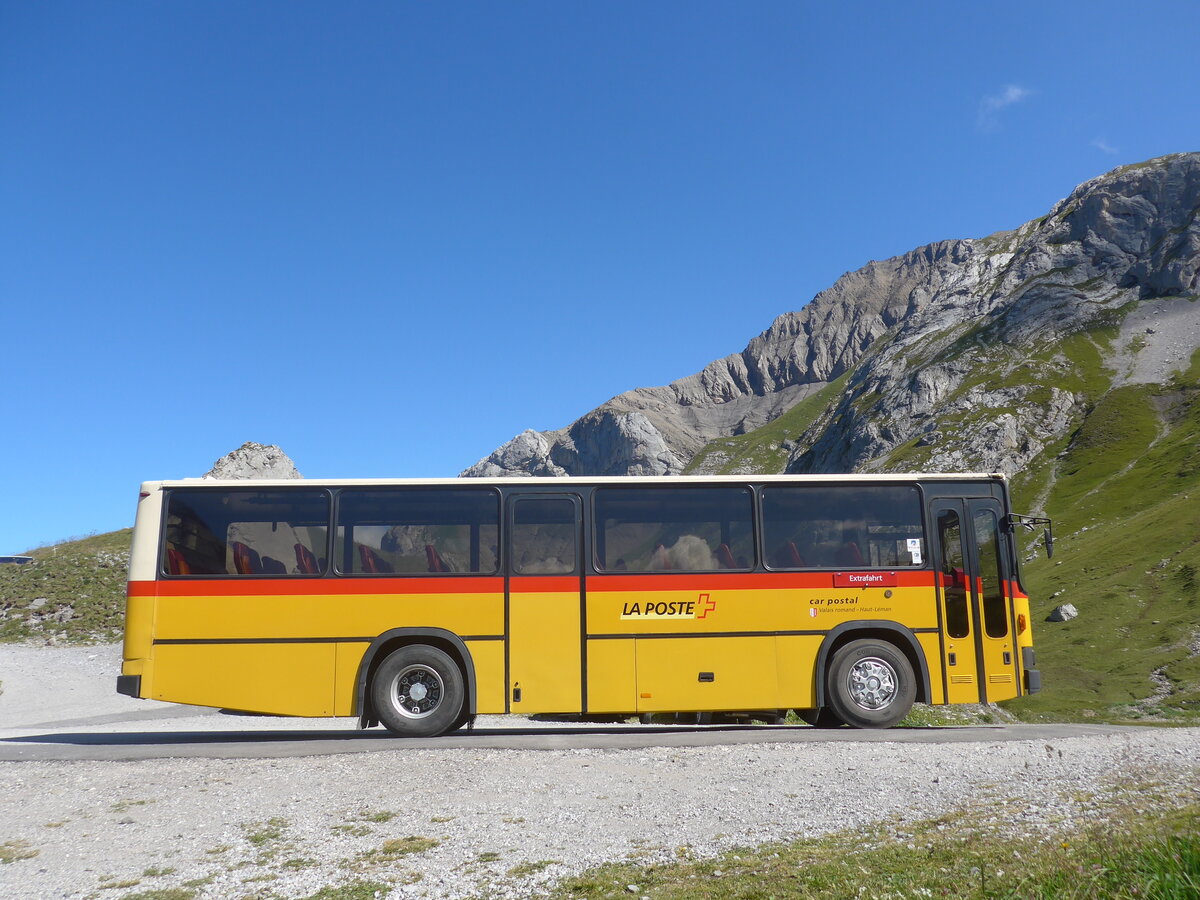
390, 236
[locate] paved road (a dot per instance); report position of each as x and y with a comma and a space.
114, 739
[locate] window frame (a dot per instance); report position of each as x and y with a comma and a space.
409, 489
921, 511
164, 574
599, 536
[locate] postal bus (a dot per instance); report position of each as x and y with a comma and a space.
419, 604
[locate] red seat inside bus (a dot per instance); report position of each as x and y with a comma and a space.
176, 564
306, 561
725, 558
246, 559
434, 559
372, 561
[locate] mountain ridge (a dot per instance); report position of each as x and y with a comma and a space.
1127, 236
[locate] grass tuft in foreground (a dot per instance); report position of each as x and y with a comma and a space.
1136, 850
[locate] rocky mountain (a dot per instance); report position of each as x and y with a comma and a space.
958, 355
253, 460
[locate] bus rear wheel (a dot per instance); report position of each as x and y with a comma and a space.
417, 691
871, 684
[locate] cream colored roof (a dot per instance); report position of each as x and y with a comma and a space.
567, 480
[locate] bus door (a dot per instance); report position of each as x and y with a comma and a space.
544, 620
976, 602
994, 594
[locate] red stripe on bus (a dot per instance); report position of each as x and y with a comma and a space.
734, 581
543, 584
746, 581
246, 587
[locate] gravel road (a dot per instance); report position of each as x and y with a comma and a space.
234, 827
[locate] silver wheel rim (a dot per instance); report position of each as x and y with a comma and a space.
417, 692
872, 683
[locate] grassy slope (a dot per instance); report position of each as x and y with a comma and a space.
72, 592
1128, 557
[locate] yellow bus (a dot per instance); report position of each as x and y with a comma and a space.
419, 604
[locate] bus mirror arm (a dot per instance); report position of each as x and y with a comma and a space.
1012, 520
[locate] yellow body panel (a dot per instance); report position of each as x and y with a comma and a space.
767, 671
544, 652
285, 679
612, 682
796, 655
961, 686
673, 611
139, 628
325, 616
743, 674
932, 650
1021, 608
488, 657
347, 659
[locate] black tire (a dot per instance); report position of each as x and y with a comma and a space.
870, 684
820, 718
418, 691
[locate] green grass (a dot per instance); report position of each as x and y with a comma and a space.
174, 893
355, 890
525, 869
263, 833
399, 847
73, 592
1127, 556
1135, 849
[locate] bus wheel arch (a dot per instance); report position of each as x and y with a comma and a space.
887, 635
870, 683
388, 643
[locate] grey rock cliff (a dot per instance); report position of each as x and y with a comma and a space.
253, 460
949, 350
971, 374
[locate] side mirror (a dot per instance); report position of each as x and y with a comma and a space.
1049, 538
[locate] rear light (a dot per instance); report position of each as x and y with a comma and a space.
143, 495
1022, 623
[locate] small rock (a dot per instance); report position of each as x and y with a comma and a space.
1064, 613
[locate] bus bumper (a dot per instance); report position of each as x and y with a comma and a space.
129, 685
1033, 678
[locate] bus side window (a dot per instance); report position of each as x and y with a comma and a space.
417, 531
820, 527
245, 532
544, 538
660, 529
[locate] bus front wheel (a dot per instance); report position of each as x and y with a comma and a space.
871, 684
417, 691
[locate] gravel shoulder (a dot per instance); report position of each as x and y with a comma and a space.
231, 827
